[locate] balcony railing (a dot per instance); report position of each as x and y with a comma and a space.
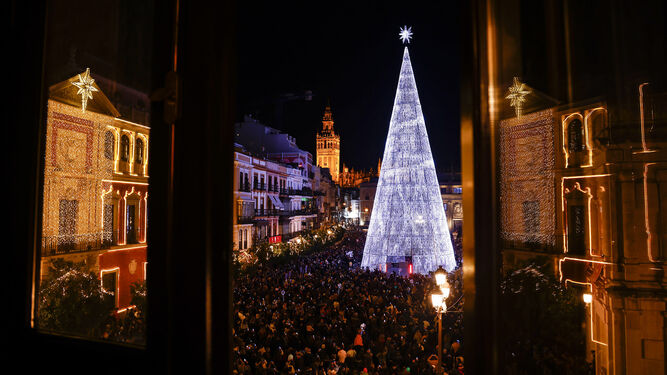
78, 243
245, 187
259, 186
306, 211
244, 219
305, 192
276, 212
266, 212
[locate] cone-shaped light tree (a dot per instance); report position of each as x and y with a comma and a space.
408, 218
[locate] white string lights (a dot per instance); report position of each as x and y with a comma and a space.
408, 218
527, 183
74, 169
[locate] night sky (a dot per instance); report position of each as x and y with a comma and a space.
349, 54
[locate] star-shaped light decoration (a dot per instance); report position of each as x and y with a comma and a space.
406, 34
517, 96
86, 88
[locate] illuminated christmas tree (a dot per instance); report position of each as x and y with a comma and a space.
408, 223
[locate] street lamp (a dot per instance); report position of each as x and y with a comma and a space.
588, 298
438, 301
440, 276
441, 281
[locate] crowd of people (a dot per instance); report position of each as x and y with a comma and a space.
322, 314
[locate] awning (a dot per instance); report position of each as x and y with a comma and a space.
276, 202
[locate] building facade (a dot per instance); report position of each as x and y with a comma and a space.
95, 190
595, 210
349, 177
328, 146
366, 200
451, 191
277, 191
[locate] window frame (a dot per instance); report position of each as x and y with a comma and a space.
204, 280
125, 148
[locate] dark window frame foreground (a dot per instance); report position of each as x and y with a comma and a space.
189, 283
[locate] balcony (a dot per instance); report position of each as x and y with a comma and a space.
259, 186
79, 243
245, 187
267, 212
306, 192
306, 211
244, 219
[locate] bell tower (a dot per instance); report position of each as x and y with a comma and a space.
328, 146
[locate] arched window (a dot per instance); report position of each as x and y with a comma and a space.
124, 148
108, 145
240, 239
575, 140
139, 151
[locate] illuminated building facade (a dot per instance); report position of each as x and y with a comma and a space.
451, 192
595, 209
326, 193
349, 177
366, 199
95, 190
276, 186
351, 206
328, 146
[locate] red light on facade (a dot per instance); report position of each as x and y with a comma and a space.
410, 268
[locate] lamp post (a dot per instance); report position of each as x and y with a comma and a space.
438, 301
440, 305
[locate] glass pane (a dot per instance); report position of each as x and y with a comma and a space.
93, 261
578, 103
348, 192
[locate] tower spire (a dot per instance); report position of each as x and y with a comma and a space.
328, 145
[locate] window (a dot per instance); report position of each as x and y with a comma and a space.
67, 215
108, 237
93, 219
553, 75
109, 144
139, 151
576, 230
240, 239
130, 230
110, 283
124, 148
575, 136
531, 220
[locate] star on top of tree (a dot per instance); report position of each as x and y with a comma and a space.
86, 88
517, 95
405, 34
